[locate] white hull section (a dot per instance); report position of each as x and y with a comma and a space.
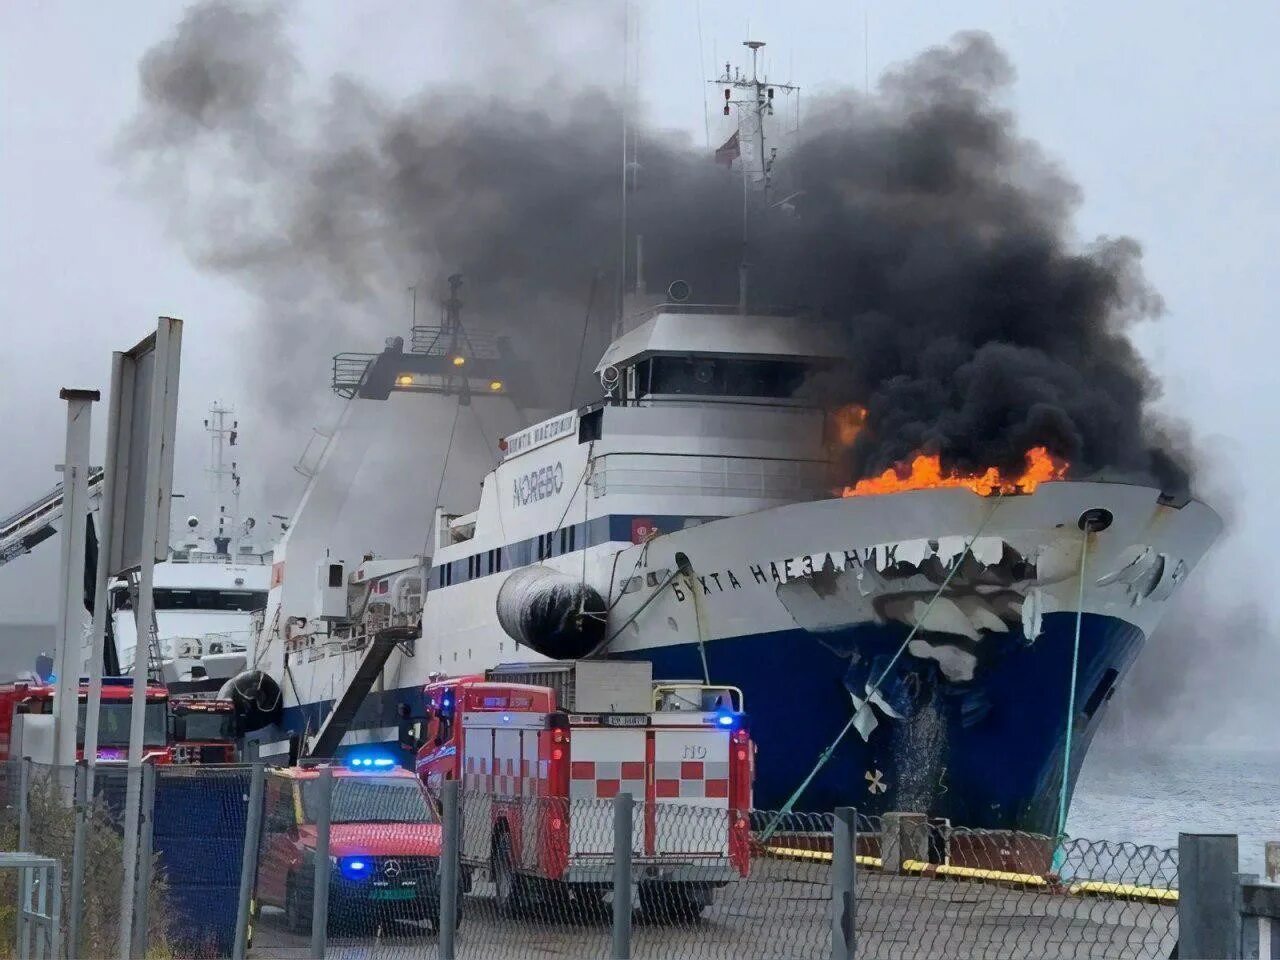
883, 557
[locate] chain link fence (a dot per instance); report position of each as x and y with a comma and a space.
954, 892
357, 863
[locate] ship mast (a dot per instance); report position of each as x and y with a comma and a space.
753, 96
222, 475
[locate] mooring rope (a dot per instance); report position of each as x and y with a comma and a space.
875, 687
1071, 695
686, 571
639, 610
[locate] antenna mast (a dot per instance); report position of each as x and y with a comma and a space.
220, 473
753, 97
626, 96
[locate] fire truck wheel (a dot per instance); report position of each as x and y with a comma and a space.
507, 884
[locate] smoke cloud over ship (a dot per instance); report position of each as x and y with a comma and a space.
917, 219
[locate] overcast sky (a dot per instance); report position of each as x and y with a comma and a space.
1164, 113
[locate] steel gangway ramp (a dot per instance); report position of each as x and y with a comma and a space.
338, 721
35, 523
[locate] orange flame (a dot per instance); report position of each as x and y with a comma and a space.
926, 473
847, 423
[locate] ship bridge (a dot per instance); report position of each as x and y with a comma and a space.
712, 351
707, 404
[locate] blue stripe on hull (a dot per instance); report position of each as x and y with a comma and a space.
984, 753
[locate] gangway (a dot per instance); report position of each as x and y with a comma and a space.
35, 523
338, 721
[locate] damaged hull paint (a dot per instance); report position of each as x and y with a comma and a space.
805, 605
986, 752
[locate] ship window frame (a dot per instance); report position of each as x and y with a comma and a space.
726, 376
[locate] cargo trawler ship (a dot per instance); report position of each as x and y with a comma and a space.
927, 625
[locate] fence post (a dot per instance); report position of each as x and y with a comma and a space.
1208, 910
1260, 909
249, 859
622, 831
76, 906
905, 837
844, 871
55, 915
450, 837
1247, 942
320, 892
147, 823
24, 805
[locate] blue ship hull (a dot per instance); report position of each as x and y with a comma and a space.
983, 753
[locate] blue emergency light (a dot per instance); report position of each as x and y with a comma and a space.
360, 762
726, 719
355, 868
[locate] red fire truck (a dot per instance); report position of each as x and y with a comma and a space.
541, 748
202, 731
35, 700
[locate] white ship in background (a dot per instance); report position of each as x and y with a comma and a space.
690, 517
215, 578
206, 592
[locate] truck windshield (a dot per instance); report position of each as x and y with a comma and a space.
113, 724
371, 800
206, 726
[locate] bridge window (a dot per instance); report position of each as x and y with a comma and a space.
174, 598
720, 376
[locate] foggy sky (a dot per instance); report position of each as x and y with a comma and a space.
1157, 114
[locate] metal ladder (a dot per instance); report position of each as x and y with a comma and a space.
155, 658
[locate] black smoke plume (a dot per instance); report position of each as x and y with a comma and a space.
917, 219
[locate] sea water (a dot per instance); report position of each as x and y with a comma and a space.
1149, 795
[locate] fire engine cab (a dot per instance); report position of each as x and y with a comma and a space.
202, 731
541, 750
27, 722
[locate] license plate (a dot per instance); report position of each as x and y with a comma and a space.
403, 894
624, 720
